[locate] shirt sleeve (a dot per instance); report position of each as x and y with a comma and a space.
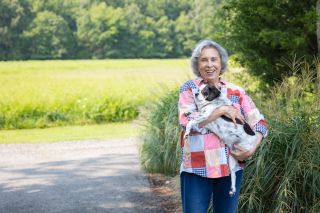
253, 116
187, 107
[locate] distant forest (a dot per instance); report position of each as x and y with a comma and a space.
60, 29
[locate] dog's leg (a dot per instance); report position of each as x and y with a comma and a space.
193, 123
189, 126
188, 129
232, 165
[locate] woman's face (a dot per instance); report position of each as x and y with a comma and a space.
209, 65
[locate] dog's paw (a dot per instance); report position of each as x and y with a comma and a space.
185, 137
232, 192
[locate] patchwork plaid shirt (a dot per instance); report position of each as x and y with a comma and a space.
203, 154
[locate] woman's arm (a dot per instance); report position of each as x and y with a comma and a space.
256, 120
187, 108
242, 154
228, 111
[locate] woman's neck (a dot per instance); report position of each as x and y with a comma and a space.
215, 83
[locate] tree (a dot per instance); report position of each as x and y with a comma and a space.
49, 37
186, 33
264, 32
204, 20
318, 25
318, 40
130, 44
66, 9
98, 30
14, 17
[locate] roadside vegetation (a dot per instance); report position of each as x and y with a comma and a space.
284, 174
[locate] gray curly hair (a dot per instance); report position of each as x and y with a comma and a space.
197, 52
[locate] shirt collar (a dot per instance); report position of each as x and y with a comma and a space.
200, 80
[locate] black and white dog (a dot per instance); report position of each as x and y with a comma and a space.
208, 99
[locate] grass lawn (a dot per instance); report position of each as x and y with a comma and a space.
70, 133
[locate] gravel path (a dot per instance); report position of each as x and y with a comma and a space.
85, 176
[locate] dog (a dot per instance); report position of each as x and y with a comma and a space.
209, 99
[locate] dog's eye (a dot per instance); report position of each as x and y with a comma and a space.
205, 93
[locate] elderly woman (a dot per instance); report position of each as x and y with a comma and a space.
204, 172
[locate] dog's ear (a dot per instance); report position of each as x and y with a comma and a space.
213, 93
205, 91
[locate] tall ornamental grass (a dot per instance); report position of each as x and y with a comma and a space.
284, 175
160, 149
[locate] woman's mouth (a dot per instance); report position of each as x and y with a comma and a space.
210, 71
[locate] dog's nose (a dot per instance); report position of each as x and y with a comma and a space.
196, 94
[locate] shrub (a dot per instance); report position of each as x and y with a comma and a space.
109, 109
113, 110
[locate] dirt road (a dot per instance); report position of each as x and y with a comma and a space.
86, 176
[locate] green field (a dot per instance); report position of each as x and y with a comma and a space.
40, 94
35, 95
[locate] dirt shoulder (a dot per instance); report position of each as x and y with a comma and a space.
167, 192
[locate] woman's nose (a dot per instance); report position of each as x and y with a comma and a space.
210, 63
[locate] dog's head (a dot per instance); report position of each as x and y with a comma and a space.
208, 92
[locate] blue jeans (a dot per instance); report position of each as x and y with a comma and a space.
197, 191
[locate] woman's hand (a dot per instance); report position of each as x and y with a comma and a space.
242, 154
233, 113
229, 111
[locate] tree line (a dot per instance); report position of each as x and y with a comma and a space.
58, 29
262, 33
